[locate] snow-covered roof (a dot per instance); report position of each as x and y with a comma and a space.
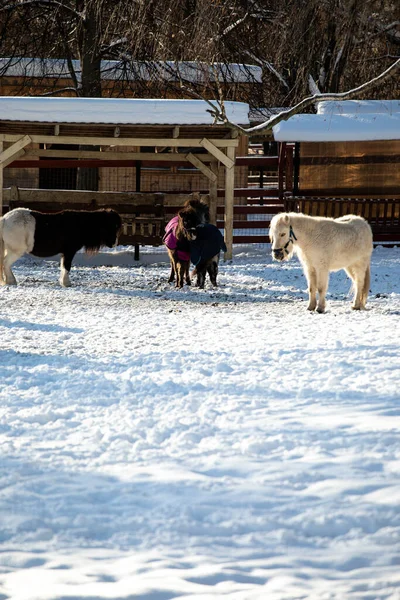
193, 71
356, 107
346, 121
115, 111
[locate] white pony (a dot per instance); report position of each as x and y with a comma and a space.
323, 245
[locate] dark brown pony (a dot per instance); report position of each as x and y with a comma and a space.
179, 233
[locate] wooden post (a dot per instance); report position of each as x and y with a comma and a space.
1, 182
229, 200
138, 175
136, 255
214, 194
289, 169
296, 169
281, 168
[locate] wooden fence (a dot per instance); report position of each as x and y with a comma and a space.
272, 188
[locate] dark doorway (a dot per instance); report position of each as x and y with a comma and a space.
58, 179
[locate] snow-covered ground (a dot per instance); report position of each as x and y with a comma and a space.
160, 443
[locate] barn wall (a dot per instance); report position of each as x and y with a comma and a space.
372, 167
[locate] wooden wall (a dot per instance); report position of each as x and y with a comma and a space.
363, 167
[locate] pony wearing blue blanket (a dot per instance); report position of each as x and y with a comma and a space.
205, 251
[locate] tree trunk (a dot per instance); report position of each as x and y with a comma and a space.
88, 178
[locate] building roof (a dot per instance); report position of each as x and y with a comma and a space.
345, 121
118, 111
192, 71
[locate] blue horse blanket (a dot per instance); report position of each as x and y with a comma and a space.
209, 242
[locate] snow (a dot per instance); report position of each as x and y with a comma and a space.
346, 121
116, 111
359, 107
160, 443
338, 128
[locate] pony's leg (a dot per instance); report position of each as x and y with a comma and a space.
311, 276
360, 277
179, 274
187, 274
9, 259
367, 283
201, 277
172, 260
322, 285
212, 270
65, 265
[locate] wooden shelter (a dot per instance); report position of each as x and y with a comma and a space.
30, 127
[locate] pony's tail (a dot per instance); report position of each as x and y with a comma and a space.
1, 252
367, 281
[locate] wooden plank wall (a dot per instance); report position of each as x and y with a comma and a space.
350, 167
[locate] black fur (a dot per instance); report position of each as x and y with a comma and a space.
197, 211
68, 231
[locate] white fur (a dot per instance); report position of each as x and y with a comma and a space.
324, 245
17, 231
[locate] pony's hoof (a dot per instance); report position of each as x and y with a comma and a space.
311, 307
321, 310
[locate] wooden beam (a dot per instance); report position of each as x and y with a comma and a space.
211, 147
111, 141
110, 155
175, 132
13, 158
15, 148
229, 198
57, 129
82, 196
214, 194
201, 166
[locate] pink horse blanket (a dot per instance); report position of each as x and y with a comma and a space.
170, 240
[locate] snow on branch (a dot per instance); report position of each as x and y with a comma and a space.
314, 89
219, 114
269, 66
232, 26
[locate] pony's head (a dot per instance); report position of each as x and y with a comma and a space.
201, 208
105, 229
187, 224
112, 227
282, 237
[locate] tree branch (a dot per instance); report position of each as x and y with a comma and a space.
219, 114
44, 3
113, 46
60, 91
